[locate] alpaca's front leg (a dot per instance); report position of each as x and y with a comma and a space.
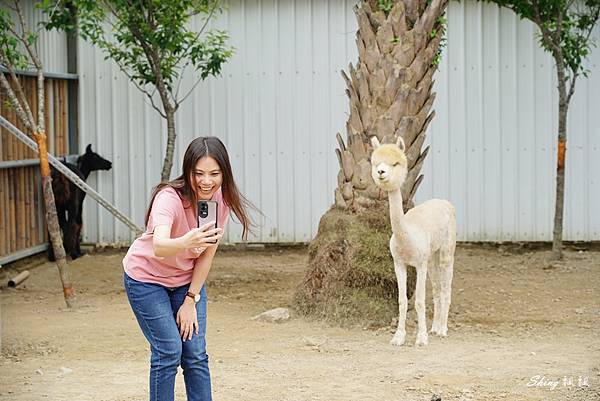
400, 269
420, 304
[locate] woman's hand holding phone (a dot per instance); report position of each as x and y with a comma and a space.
202, 237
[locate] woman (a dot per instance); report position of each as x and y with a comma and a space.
165, 268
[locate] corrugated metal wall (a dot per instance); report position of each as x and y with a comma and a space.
281, 100
493, 139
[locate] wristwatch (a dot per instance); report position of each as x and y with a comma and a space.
195, 297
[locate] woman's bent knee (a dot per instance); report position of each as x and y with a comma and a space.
195, 360
168, 355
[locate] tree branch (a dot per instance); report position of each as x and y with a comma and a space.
7, 4
20, 95
572, 87
546, 33
155, 65
114, 13
15, 102
179, 81
54, 9
143, 90
208, 18
38, 66
189, 92
559, 22
587, 38
33, 54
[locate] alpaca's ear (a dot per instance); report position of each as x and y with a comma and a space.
88, 149
400, 143
374, 142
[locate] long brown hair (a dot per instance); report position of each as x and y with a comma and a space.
213, 147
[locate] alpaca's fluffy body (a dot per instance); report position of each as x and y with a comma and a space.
424, 237
425, 229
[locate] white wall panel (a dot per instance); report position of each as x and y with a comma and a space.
280, 101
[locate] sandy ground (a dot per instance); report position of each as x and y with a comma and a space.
516, 328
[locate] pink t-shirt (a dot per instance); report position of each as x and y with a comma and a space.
169, 209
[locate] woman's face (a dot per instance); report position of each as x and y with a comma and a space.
208, 177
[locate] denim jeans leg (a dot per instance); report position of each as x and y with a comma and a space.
194, 359
151, 305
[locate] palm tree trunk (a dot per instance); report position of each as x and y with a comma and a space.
390, 92
350, 275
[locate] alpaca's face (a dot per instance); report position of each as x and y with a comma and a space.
208, 178
92, 161
388, 167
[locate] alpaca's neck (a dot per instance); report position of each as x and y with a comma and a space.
85, 170
397, 214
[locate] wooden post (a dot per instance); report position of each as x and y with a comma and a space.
20, 207
3, 250
11, 212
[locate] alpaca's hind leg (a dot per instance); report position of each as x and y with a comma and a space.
434, 278
446, 274
420, 304
400, 269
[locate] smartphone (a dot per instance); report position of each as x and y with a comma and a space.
207, 212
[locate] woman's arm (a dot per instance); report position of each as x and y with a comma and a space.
201, 269
187, 319
164, 245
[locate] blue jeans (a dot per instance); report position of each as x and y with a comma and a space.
155, 308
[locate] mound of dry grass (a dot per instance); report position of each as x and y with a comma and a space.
350, 278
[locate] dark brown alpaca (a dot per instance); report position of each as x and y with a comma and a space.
69, 199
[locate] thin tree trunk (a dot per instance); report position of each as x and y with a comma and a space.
563, 108
49, 202
153, 57
168, 162
52, 219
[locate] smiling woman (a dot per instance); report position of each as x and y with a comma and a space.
208, 178
166, 267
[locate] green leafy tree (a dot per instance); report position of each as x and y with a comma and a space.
18, 50
151, 42
565, 28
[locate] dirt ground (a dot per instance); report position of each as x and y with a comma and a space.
518, 330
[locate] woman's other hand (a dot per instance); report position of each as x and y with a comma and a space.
202, 237
187, 319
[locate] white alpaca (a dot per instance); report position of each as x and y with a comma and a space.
424, 237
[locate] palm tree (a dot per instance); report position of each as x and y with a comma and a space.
390, 92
